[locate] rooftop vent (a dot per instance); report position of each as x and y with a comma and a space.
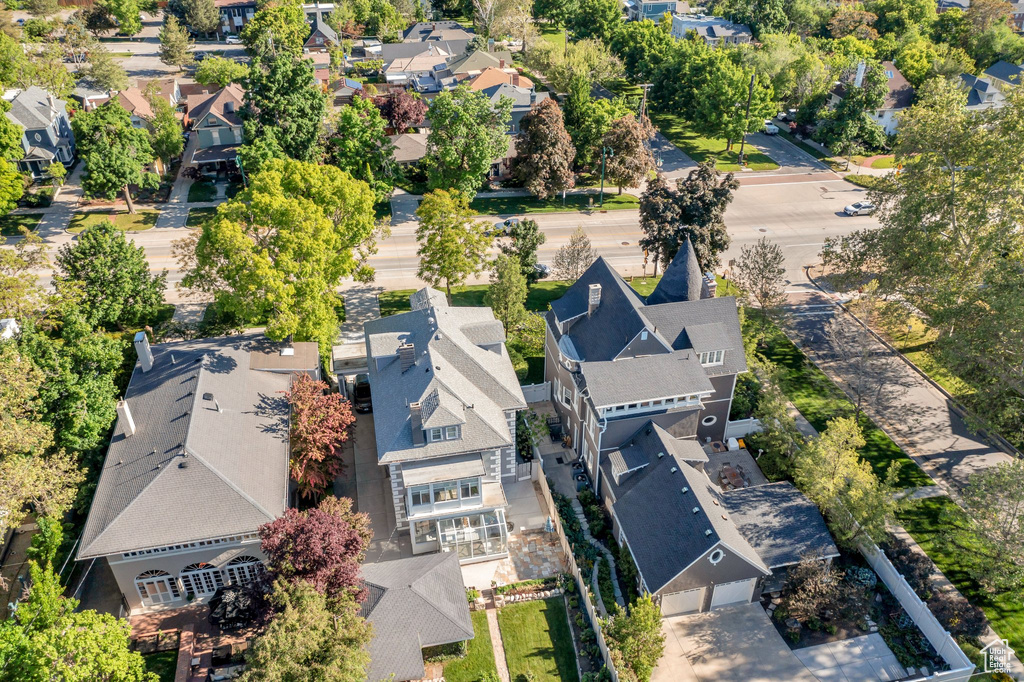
288, 351
183, 464
686, 489
674, 469
716, 502
660, 455
707, 532
696, 509
207, 396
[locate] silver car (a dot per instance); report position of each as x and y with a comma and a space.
860, 208
504, 228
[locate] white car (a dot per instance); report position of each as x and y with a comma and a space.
504, 228
860, 208
233, 40
770, 128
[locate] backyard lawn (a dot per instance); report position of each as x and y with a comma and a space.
130, 222
11, 224
479, 659
703, 149
550, 33
925, 524
199, 192
573, 202
198, 216
163, 664
538, 642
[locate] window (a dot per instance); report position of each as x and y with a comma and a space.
420, 495
446, 492
451, 432
713, 357
157, 587
424, 531
435, 435
244, 569
643, 335
716, 556
470, 487
566, 396
201, 579
708, 421
475, 535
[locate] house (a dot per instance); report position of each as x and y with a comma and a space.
475, 63
1005, 72
1017, 16
89, 95
445, 398
492, 76
639, 10
712, 30
234, 14
943, 5
321, 36
523, 101
46, 135
413, 603
602, 337
899, 96
134, 102
219, 129
422, 71
982, 93
342, 90
198, 462
166, 88
389, 52
436, 30
409, 148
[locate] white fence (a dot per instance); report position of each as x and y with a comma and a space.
537, 393
742, 427
960, 666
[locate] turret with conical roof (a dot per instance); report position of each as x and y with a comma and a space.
682, 281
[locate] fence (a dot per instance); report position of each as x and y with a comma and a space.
575, 571
742, 427
960, 666
537, 393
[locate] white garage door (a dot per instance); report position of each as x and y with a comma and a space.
678, 603
732, 593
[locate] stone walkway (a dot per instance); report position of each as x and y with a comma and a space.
581, 517
532, 555
496, 644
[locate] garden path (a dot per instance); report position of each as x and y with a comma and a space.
578, 509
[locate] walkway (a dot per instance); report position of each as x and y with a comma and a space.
496, 644
581, 517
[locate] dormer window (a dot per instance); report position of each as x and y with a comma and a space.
713, 357
451, 433
446, 433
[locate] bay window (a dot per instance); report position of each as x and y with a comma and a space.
444, 495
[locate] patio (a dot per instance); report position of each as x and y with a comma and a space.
733, 469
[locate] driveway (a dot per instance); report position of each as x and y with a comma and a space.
730, 644
861, 658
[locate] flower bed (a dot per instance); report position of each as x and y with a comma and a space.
584, 637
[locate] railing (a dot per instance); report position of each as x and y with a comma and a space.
537, 393
742, 427
960, 666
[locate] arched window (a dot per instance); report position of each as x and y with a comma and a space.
201, 579
242, 570
157, 587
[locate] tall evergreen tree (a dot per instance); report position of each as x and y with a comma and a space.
202, 16
175, 45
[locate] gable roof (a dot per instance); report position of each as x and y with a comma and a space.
645, 447
218, 104
474, 384
413, 603
436, 30
492, 76
166, 87
392, 51
322, 26
479, 60
682, 279
664, 532
780, 523
31, 107
900, 94
134, 102
1006, 72
409, 147
982, 93
204, 406
522, 98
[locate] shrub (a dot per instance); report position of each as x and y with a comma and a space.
745, 397
957, 615
916, 567
445, 652
472, 594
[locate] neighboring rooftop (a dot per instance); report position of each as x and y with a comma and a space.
223, 103
134, 102
32, 107
624, 466
479, 60
436, 30
982, 93
1006, 72
492, 76
409, 147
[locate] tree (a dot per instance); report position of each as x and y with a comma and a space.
637, 637
165, 133
21, 297
77, 39
115, 274
760, 273
703, 199
310, 641
202, 16
360, 145
115, 153
278, 28
97, 19
57, 173
220, 71
721, 86
849, 127
506, 295
857, 505
544, 152
588, 120
629, 160
322, 546
642, 46
525, 238
129, 20
278, 251
994, 504
104, 70
853, 22
659, 219
319, 427
175, 45
402, 110
557, 12
467, 134
779, 442
46, 69
596, 19
49, 638
574, 257
12, 187
42, 8
453, 246
281, 95
45, 482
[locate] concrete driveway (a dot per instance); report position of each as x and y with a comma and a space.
861, 658
730, 644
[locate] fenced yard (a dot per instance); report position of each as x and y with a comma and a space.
538, 644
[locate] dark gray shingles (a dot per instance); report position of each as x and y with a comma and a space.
1006, 72
674, 319
780, 523
682, 280
647, 377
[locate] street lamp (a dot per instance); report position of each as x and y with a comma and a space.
609, 152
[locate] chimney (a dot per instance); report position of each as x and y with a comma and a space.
143, 350
52, 101
501, 64
407, 355
125, 415
859, 79
594, 299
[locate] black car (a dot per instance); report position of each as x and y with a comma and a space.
361, 393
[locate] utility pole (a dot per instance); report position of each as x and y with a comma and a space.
643, 103
610, 153
746, 118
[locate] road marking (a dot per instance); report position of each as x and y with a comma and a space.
786, 246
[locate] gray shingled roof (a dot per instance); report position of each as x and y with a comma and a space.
780, 523
389, 52
482, 382
413, 603
644, 378
1006, 72
682, 280
642, 449
235, 476
30, 108
674, 322
664, 534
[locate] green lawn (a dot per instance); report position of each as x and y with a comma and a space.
573, 202
199, 192
550, 33
11, 224
164, 664
924, 522
122, 55
538, 642
143, 220
820, 400
703, 149
479, 659
884, 162
198, 216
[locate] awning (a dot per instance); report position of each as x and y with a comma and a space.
442, 469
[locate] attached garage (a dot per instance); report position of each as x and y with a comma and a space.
679, 603
739, 592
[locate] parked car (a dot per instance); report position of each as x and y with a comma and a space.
361, 393
503, 228
860, 208
541, 270
233, 40
198, 56
770, 128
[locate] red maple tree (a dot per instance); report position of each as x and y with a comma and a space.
320, 426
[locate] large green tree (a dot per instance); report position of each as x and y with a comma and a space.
596, 19
659, 219
524, 239
636, 637
588, 120
360, 145
719, 108
642, 46
220, 71
629, 159
45, 68
12, 187
115, 153
129, 19
278, 251
114, 272
544, 152
165, 130
282, 99
202, 16
105, 70
278, 28
703, 197
467, 135
175, 45
506, 295
453, 246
